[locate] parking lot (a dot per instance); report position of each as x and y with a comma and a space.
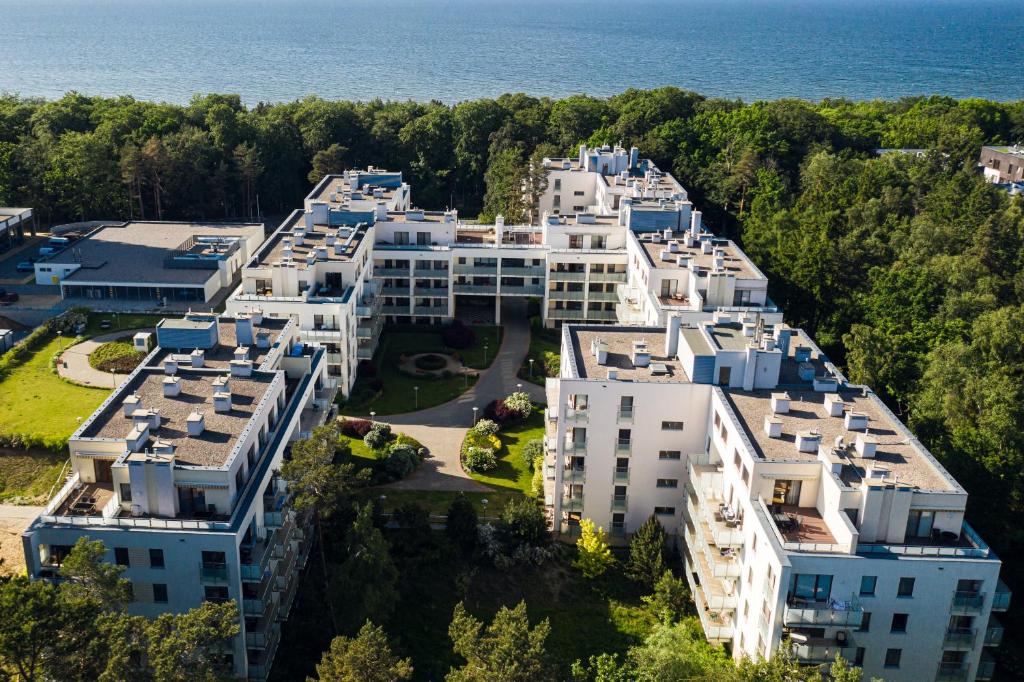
9, 260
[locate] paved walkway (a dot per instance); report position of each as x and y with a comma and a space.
442, 428
74, 364
14, 519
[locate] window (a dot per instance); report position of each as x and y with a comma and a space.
558, 200
423, 238
665, 511
858, 656
668, 482
121, 557
577, 209
899, 622
718, 420
558, 184
126, 492
867, 585
892, 658
156, 558
401, 237
671, 426
160, 593
218, 594
906, 588
669, 454
919, 523
812, 586
865, 623
578, 193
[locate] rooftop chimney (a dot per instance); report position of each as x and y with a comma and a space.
242, 351
243, 330
263, 339
241, 368
807, 441
641, 355
172, 387
599, 349
257, 315
773, 426
221, 402
695, 224
131, 403
299, 237
672, 336
196, 424
137, 437
170, 366
866, 445
222, 384
855, 421
834, 405
780, 403
198, 358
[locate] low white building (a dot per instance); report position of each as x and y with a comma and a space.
176, 472
809, 516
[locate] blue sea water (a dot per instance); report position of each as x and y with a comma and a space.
450, 50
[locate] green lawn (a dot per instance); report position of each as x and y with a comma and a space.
398, 394
26, 476
511, 474
542, 341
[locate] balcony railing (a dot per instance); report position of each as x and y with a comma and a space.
395, 291
574, 475
1001, 598
818, 650
527, 290
620, 503
572, 504
436, 310
395, 309
566, 295
511, 271
576, 446
717, 626
714, 598
951, 672
565, 314
959, 638
623, 446
626, 414
576, 414
602, 296
215, 573
461, 288
432, 292
993, 633
566, 276
607, 277
968, 602
391, 272
621, 475
833, 613
431, 273
986, 667
465, 269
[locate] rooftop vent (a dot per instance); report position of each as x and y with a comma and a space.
170, 366
877, 471
659, 369
416, 214
137, 437
599, 349
834, 405
196, 424
773, 427
243, 330
866, 445
683, 261
673, 246
263, 339
667, 234
855, 421
310, 258
241, 353
172, 387
749, 329
666, 255
257, 315
162, 447
706, 247
198, 358
131, 403
780, 403
241, 368
656, 238
807, 441
222, 384
825, 382
331, 238
585, 219
222, 402
150, 418
299, 237
801, 354
641, 355
805, 371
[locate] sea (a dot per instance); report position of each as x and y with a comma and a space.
453, 50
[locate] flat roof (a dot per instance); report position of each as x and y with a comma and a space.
618, 341
735, 261
337, 189
138, 251
221, 355
222, 429
273, 250
898, 451
1005, 149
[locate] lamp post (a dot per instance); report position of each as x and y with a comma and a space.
60, 341
531, 368
519, 387
372, 416
474, 415
484, 503
485, 355
416, 396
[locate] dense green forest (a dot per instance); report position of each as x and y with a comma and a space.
906, 268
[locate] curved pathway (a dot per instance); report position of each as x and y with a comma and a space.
442, 428
74, 361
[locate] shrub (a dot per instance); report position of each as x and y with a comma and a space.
412, 516
356, 428
458, 335
401, 461
431, 362
537, 484
531, 452
366, 369
519, 404
461, 524
593, 555
552, 363
378, 436
405, 439
496, 410
522, 522
375, 384
484, 427
479, 459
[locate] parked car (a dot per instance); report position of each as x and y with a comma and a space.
9, 296
27, 266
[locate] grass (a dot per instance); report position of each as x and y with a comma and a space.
398, 394
542, 340
26, 476
586, 617
511, 472
116, 356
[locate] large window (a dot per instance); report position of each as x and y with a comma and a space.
892, 658
919, 523
813, 587
906, 588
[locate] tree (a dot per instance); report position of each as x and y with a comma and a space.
678, 652
318, 483
508, 650
366, 657
522, 522
367, 580
647, 552
92, 578
670, 600
189, 646
330, 161
461, 523
593, 555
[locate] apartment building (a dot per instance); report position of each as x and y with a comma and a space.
808, 515
176, 472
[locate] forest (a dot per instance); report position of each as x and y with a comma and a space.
907, 268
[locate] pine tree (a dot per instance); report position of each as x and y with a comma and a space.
366, 657
647, 553
507, 650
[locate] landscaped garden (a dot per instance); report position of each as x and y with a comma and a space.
503, 448
545, 351
383, 455
407, 373
116, 356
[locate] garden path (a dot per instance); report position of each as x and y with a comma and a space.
74, 361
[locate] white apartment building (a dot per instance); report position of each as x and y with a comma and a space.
809, 516
358, 255
176, 472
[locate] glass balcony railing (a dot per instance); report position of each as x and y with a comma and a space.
951, 672
1001, 599
959, 638
626, 414
968, 602
576, 414
213, 572
576, 446
835, 612
993, 633
620, 503
566, 276
623, 447
573, 504
574, 475
621, 475
986, 667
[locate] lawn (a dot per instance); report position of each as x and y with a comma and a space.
511, 473
587, 617
398, 393
26, 476
542, 341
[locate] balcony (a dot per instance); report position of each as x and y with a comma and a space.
576, 447
526, 290
1001, 599
395, 291
714, 525
431, 273
621, 475
468, 269
573, 504
625, 415
432, 292
967, 602
369, 329
623, 446
462, 288
722, 562
574, 475
833, 613
818, 650
620, 503
395, 309
565, 314
717, 625
213, 573
718, 593
576, 414
986, 667
391, 272
261, 639
959, 639
608, 277
566, 295
566, 276
994, 632
608, 296
951, 672
369, 307
537, 271
433, 310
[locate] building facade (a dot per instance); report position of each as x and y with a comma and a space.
177, 473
